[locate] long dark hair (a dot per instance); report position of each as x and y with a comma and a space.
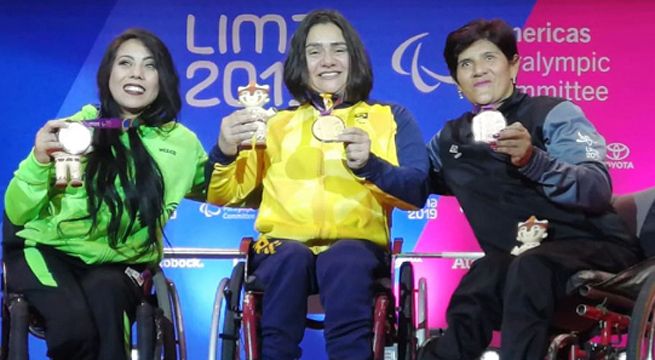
360, 76
140, 178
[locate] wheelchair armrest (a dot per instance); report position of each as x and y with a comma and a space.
586, 277
626, 283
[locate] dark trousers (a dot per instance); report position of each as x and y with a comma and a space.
83, 306
518, 295
344, 275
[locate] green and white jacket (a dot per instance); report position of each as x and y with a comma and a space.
45, 212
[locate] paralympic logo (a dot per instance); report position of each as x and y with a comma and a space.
416, 71
209, 210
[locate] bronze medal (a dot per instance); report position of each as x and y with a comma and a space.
327, 128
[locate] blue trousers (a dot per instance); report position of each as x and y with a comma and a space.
344, 276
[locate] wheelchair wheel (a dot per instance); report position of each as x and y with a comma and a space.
179, 335
232, 319
217, 311
641, 333
406, 328
560, 345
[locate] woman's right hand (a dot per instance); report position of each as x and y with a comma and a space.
236, 128
46, 141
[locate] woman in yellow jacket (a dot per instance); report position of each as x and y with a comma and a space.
331, 171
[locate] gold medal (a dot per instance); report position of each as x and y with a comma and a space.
327, 128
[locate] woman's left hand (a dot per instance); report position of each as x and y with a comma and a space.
515, 141
357, 145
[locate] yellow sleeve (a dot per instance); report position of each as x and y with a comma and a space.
234, 184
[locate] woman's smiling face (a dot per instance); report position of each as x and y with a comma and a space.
484, 74
134, 80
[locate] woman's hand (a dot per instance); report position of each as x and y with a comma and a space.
236, 128
358, 147
46, 141
515, 141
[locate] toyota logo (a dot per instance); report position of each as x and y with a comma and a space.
617, 151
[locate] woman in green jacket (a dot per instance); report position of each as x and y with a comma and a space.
79, 252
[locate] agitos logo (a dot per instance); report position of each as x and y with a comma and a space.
209, 210
617, 156
416, 71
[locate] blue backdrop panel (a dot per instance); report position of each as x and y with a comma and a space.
50, 53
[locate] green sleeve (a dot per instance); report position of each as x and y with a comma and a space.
27, 192
88, 112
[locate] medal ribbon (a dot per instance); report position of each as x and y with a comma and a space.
328, 104
480, 108
493, 106
111, 123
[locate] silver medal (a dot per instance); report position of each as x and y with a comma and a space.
75, 138
486, 124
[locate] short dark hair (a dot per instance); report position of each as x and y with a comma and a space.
360, 76
496, 31
168, 102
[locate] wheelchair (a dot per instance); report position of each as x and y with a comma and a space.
396, 335
159, 323
608, 308
604, 315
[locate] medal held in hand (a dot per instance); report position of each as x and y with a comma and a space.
253, 97
327, 127
487, 123
75, 138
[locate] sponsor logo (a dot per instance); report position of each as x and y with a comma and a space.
193, 263
462, 264
361, 118
454, 149
409, 51
617, 151
617, 156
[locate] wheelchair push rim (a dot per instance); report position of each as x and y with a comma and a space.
641, 334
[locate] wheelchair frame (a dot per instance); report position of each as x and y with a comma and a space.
159, 323
395, 331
